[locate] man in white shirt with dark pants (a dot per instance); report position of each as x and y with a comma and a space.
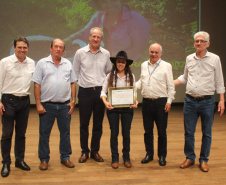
15, 79
157, 89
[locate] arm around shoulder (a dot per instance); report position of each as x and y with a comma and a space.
177, 82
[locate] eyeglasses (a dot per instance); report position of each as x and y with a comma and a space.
200, 41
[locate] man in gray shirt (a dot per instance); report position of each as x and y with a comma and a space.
203, 75
91, 65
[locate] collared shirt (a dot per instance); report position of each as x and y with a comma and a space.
121, 82
203, 76
91, 68
123, 35
55, 81
160, 83
15, 76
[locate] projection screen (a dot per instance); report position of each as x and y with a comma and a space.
172, 23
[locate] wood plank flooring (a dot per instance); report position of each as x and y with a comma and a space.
93, 173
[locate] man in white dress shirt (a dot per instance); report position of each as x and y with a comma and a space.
157, 89
203, 76
15, 79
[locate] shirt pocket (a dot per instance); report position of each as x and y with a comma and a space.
66, 74
14, 71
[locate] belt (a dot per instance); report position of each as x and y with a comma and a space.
94, 88
16, 97
199, 98
57, 102
154, 99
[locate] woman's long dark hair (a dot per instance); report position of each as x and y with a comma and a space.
113, 75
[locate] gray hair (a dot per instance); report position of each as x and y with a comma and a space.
204, 34
97, 28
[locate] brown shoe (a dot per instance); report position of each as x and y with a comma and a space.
43, 165
97, 157
204, 166
68, 164
127, 164
187, 163
83, 158
114, 165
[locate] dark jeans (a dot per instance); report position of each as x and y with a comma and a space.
126, 120
192, 111
90, 102
153, 111
60, 112
15, 110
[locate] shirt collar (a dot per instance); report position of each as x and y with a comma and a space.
206, 55
50, 59
118, 75
87, 49
15, 59
157, 63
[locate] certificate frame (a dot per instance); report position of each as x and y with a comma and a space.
120, 97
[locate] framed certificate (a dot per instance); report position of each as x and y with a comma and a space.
121, 96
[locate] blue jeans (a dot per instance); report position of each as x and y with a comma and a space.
126, 120
192, 110
60, 112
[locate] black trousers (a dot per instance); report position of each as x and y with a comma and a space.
153, 111
114, 115
16, 113
89, 102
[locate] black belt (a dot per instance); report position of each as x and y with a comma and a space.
154, 99
57, 102
11, 96
94, 88
199, 98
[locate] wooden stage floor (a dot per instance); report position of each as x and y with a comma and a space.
93, 173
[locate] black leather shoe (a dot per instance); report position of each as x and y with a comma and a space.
162, 161
147, 159
22, 165
5, 170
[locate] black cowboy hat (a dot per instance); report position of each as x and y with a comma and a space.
121, 54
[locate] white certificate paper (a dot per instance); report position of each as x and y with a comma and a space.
122, 97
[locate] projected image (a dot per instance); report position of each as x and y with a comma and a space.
130, 25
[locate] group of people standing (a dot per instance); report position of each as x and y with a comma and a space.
95, 71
